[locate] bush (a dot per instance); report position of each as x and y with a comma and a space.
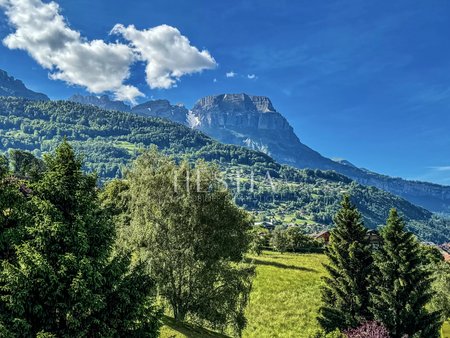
368, 330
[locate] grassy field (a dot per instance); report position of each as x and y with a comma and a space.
446, 330
284, 300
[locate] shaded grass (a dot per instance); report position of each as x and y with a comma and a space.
173, 329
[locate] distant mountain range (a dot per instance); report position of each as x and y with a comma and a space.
12, 87
109, 140
253, 122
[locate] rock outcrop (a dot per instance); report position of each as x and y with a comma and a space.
9, 86
102, 101
162, 108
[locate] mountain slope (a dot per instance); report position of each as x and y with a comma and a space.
109, 140
252, 121
12, 87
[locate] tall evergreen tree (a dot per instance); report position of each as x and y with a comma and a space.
402, 284
65, 282
346, 293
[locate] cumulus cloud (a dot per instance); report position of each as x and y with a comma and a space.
169, 55
230, 74
252, 76
99, 66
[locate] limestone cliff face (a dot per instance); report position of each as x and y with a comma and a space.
252, 121
9, 86
163, 109
239, 111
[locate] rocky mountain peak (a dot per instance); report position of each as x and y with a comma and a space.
162, 108
102, 101
235, 103
9, 86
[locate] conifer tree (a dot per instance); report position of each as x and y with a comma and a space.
402, 285
346, 293
65, 282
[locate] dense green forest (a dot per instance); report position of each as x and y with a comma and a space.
110, 140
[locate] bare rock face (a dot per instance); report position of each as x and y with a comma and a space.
103, 102
163, 109
9, 86
251, 121
239, 111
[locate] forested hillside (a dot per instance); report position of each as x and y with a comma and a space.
110, 140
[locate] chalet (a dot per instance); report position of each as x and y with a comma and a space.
323, 236
372, 235
267, 225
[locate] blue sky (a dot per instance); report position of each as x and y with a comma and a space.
368, 81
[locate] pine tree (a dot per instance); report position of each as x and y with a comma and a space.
65, 282
346, 293
402, 284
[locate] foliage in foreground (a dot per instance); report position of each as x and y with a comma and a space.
62, 279
403, 284
346, 293
368, 330
391, 284
186, 227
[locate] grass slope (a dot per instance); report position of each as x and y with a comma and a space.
284, 300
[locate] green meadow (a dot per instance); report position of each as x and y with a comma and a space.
284, 300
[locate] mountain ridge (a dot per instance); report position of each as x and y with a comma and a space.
253, 122
110, 140
9, 86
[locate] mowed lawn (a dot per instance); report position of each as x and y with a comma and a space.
284, 301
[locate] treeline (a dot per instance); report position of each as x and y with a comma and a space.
79, 261
383, 292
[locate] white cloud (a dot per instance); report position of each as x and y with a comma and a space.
214, 80
169, 55
252, 76
99, 66
45, 35
230, 74
441, 168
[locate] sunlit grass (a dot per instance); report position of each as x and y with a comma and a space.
284, 300
286, 295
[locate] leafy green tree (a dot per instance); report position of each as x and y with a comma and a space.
14, 211
26, 165
441, 288
403, 284
185, 225
279, 239
65, 281
260, 238
346, 292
